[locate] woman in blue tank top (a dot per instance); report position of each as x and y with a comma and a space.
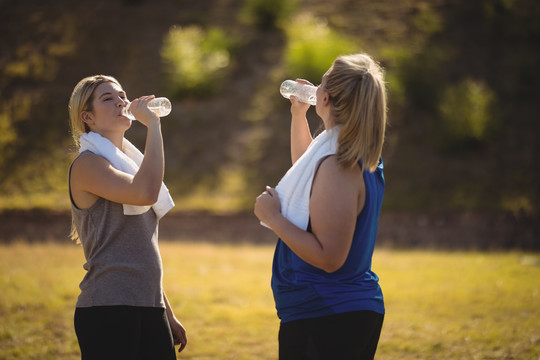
327, 297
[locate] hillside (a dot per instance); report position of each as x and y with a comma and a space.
222, 149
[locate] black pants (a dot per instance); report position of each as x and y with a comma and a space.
124, 332
347, 336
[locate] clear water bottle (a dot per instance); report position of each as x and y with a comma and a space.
161, 106
303, 92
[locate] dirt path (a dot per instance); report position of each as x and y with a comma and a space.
396, 230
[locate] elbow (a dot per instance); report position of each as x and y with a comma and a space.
147, 197
332, 265
145, 191
152, 198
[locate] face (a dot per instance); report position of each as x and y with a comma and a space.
323, 103
321, 87
109, 100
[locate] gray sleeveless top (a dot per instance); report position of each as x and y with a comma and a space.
123, 263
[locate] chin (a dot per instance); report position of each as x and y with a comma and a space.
126, 121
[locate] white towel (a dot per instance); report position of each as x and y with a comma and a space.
295, 187
128, 162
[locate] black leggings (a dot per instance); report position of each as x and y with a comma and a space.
348, 336
124, 332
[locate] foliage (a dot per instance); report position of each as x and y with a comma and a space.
312, 46
427, 20
463, 100
466, 110
13, 110
195, 59
486, 307
430, 51
267, 14
31, 131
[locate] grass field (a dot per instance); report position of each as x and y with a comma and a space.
440, 305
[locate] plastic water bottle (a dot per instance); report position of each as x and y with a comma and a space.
161, 106
303, 92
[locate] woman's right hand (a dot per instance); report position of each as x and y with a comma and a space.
267, 205
141, 112
298, 108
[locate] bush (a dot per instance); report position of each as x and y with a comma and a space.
465, 109
195, 60
312, 47
267, 14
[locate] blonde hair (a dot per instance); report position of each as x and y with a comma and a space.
357, 91
81, 100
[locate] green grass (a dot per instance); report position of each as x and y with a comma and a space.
440, 305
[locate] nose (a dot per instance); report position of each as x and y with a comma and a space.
122, 102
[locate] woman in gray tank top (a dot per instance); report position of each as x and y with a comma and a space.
122, 311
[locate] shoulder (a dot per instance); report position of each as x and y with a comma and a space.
330, 168
87, 165
334, 184
336, 181
89, 159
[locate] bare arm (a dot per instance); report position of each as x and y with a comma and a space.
337, 197
300, 133
93, 176
177, 329
150, 175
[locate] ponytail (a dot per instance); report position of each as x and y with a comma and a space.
357, 90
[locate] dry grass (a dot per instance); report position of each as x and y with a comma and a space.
440, 305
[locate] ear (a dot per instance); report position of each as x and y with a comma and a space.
326, 99
87, 117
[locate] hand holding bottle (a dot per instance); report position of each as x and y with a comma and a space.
301, 89
161, 106
138, 109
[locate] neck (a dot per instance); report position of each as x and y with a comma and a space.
116, 138
329, 123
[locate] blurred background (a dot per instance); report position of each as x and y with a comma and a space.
463, 78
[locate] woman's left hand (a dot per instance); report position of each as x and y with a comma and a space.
179, 333
267, 205
139, 109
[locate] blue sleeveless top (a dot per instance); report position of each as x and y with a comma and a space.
302, 291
